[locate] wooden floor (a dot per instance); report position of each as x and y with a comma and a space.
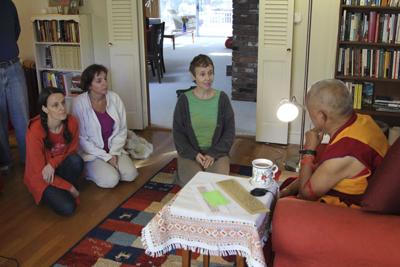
35, 236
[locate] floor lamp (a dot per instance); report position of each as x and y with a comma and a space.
288, 110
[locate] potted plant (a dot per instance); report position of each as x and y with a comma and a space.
184, 21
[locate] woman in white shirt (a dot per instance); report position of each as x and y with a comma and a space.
103, 131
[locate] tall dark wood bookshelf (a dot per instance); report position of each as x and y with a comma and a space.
362, 44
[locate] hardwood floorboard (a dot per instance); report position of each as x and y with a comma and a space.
35, 236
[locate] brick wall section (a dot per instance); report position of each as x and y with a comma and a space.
245, 50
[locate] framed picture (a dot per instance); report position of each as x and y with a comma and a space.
74, 7
65, 3
59, 3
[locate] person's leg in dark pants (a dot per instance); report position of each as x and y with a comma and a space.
59, 200
71, 169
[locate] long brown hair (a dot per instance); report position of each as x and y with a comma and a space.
42, 101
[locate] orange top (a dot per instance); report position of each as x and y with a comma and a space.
362, 139
37, 156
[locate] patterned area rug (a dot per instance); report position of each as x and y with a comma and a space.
116, 240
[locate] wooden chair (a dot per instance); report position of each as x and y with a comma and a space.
155, 50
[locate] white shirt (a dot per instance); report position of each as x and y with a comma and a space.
90, 138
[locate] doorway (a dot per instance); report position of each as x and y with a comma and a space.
162, 96
205, 17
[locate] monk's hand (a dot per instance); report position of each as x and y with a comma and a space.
284, 193
48, 173
209, 160
290, 190
200, 158
313, 139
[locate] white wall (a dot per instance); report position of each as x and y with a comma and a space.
26, 9
97, 10
325, 16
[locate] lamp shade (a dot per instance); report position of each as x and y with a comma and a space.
287, 111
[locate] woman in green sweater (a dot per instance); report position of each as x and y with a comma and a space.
204, 125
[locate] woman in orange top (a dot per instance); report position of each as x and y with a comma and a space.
52, 163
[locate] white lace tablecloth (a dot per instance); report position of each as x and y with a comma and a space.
188, 222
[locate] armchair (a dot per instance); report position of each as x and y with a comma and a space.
306, 233
178, 23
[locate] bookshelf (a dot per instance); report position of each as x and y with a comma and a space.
63, 49
368, 56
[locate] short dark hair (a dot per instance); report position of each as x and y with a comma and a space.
89, 73
200, 61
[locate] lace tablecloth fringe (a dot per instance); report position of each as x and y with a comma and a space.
179, 244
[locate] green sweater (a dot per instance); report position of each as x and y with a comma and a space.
185, 139
203, 115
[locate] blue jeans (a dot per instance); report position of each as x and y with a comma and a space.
59, 200
13, 104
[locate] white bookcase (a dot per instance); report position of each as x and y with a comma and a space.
63, 49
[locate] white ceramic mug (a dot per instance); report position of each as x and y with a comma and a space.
264, 171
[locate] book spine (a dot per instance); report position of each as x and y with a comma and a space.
354, 90
359, 96
343, 26
381, 64
377, 29
372, 26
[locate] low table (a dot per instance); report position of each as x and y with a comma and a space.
187, 222
173, 35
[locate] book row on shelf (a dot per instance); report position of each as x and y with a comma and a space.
382, 3
372, 27
63, 57
69, 82
364, 97
373, 63
57, 31
362, 94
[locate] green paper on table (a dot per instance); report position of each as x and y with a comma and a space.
214, 198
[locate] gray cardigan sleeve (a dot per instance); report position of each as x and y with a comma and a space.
184, 139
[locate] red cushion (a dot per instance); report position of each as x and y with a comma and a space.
383, 192
313, 234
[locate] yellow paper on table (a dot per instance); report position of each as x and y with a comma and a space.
214, 198
242, 197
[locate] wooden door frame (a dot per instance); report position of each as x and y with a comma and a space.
145, 64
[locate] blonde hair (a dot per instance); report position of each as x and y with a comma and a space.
332, 96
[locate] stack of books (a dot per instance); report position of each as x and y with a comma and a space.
374, 63
69, 82
386, 104
384, 3
372, 27
57, 31
362, 93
